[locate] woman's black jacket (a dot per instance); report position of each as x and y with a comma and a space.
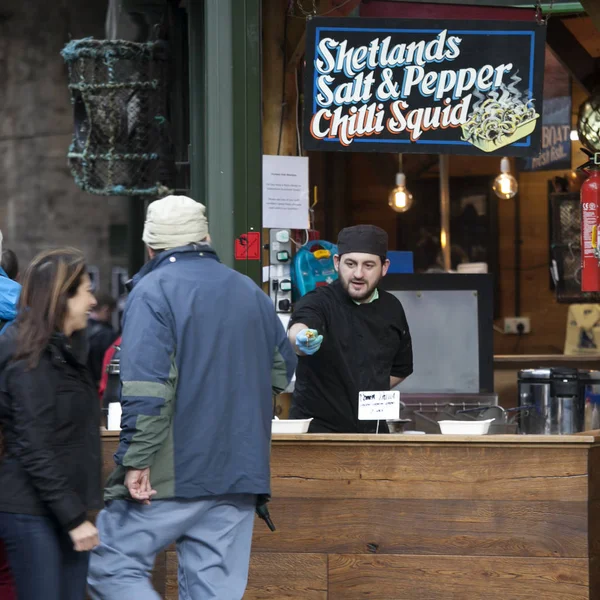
50, 423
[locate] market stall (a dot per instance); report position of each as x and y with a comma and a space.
436, 517
450, 107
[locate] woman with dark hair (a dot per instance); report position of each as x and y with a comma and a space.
50, 472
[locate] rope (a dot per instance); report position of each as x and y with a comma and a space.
139, 85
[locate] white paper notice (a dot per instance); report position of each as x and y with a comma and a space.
285, 192
374, 406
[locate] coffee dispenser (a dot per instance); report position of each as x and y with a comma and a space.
550, 401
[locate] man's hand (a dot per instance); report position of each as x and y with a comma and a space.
308, 341
84, 537
138, 484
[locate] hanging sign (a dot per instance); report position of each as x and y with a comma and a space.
426, 86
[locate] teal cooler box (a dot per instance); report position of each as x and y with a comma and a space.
313, 267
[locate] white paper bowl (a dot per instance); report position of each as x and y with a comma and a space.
465, 427
290, 425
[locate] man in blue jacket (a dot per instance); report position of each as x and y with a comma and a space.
202, 353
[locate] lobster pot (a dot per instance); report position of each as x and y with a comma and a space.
566, 249
121, 142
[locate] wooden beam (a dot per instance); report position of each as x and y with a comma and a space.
332, 8
297, 54
592, 8
341, 8
571, 54
278, 112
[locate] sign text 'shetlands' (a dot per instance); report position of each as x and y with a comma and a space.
423, 86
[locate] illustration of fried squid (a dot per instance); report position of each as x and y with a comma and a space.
498, 117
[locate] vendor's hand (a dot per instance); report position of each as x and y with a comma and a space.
84, 537
308, 341
138, 484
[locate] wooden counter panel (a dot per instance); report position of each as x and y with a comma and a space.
336, 439
354, 526
500, 518
273, 577
171, 584
594, 471
436, 577
299, 577
594, 577
594, 528
445, 473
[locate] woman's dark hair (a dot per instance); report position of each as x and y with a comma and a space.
9, 263
50, 280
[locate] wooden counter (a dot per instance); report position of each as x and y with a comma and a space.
431, 517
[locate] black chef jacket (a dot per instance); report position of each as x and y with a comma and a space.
363, 345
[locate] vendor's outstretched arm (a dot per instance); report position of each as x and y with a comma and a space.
304, 340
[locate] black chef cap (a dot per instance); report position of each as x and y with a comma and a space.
367, 239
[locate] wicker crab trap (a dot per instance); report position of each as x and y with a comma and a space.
121, 143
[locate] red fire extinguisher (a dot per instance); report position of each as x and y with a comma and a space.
590, 225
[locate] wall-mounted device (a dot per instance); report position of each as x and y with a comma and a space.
280, 279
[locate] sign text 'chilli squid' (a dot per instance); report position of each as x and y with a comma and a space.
372, 85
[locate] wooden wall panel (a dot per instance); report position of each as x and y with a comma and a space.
410, 577
274, 70
426, 527
548, 318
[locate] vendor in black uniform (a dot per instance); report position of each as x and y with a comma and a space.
351, 336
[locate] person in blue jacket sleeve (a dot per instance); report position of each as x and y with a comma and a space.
10, 292
202, 353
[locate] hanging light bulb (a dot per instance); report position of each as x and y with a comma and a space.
505, 185
400, 199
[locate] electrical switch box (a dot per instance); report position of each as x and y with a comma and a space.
280, 247
280, 269
280, 288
